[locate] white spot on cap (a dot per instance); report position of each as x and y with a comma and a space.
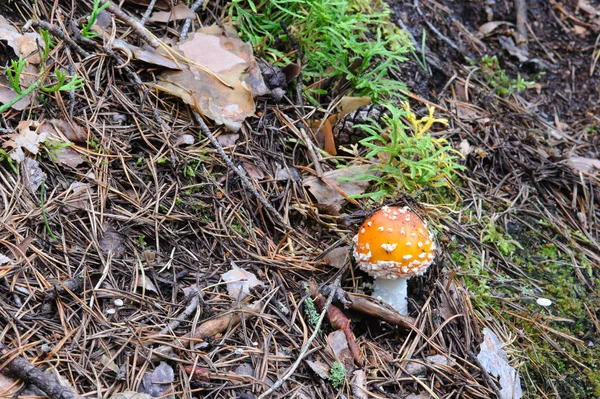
407, 218
403, 210
420, 244
380, 228
408, 243
389, 247
390, 229
404, 269
427, 242
362, 231
369, 224
422, 255
413, 235
430, 255
407, 257
544, 302
367, 246
402, 231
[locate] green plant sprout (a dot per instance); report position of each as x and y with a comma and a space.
310, 310
505, 243
97, 8
498, 79
14, 72
337, 374
406, 158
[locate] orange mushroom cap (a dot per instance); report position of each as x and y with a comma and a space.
394, 243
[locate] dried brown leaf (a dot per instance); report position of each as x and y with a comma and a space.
25, 139
239, 282
228, 97
180, 11
32, 174
326, 194
24, 45
72, 131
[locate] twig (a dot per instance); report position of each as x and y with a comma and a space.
485, 375
296, 46
26, 371
190, 308
434, 29
135, 25
57, 32
307, 344
188, 21
521, 7
245, 181
148, 12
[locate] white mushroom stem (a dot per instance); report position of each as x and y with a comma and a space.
393, 292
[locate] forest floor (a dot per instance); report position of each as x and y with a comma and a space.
130, 205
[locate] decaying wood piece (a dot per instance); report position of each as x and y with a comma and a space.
24, 370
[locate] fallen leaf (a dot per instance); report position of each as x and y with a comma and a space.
324, 135
359, 385
509, 45
440, 360
585, 165
239, 282
186, 139
494, 360
159, 382
245, 369
198, 373
349, 104
580, 30
339, 345
337, 257
112, 242
490, 27
253, 171
221, 78
327, 195
78, 199
26, 139
465, 147
8, 94
109, 364
32, 174
68, 157
8, 387
24, 45
180, 11
72, 131
227, 140
584, 5
320, 368
468, 112
146, 284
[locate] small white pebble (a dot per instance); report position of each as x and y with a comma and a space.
110, 311
544, 302
254, 343
239, 351
118, 302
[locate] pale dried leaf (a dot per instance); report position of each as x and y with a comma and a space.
109, 364
8, 386
68, 157
5, 260
321, 369
72, 131
180, 11
465, 147
7, 94
494, 360
585, 165
185, 139
337, 257
239, 281
146, 284
227, 140
112, 242
147, 54
245, 369
509, 45
490, 27
32, 174
253, 171
78, 199
339, 345
359, 385
228, 97
26, 139
327, 195
349, 104
24, 45
585, 6
157, 383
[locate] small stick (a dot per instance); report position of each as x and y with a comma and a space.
298, 50
187, 312
26, 371
57, 32
521, 6
133, 24
434, 29
485, 375
148, 12
245, 181
306, 346
188, 21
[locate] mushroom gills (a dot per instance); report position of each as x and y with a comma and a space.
393, 292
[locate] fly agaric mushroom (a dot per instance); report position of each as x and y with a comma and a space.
393, 245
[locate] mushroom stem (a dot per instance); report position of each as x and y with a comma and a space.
393, 292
